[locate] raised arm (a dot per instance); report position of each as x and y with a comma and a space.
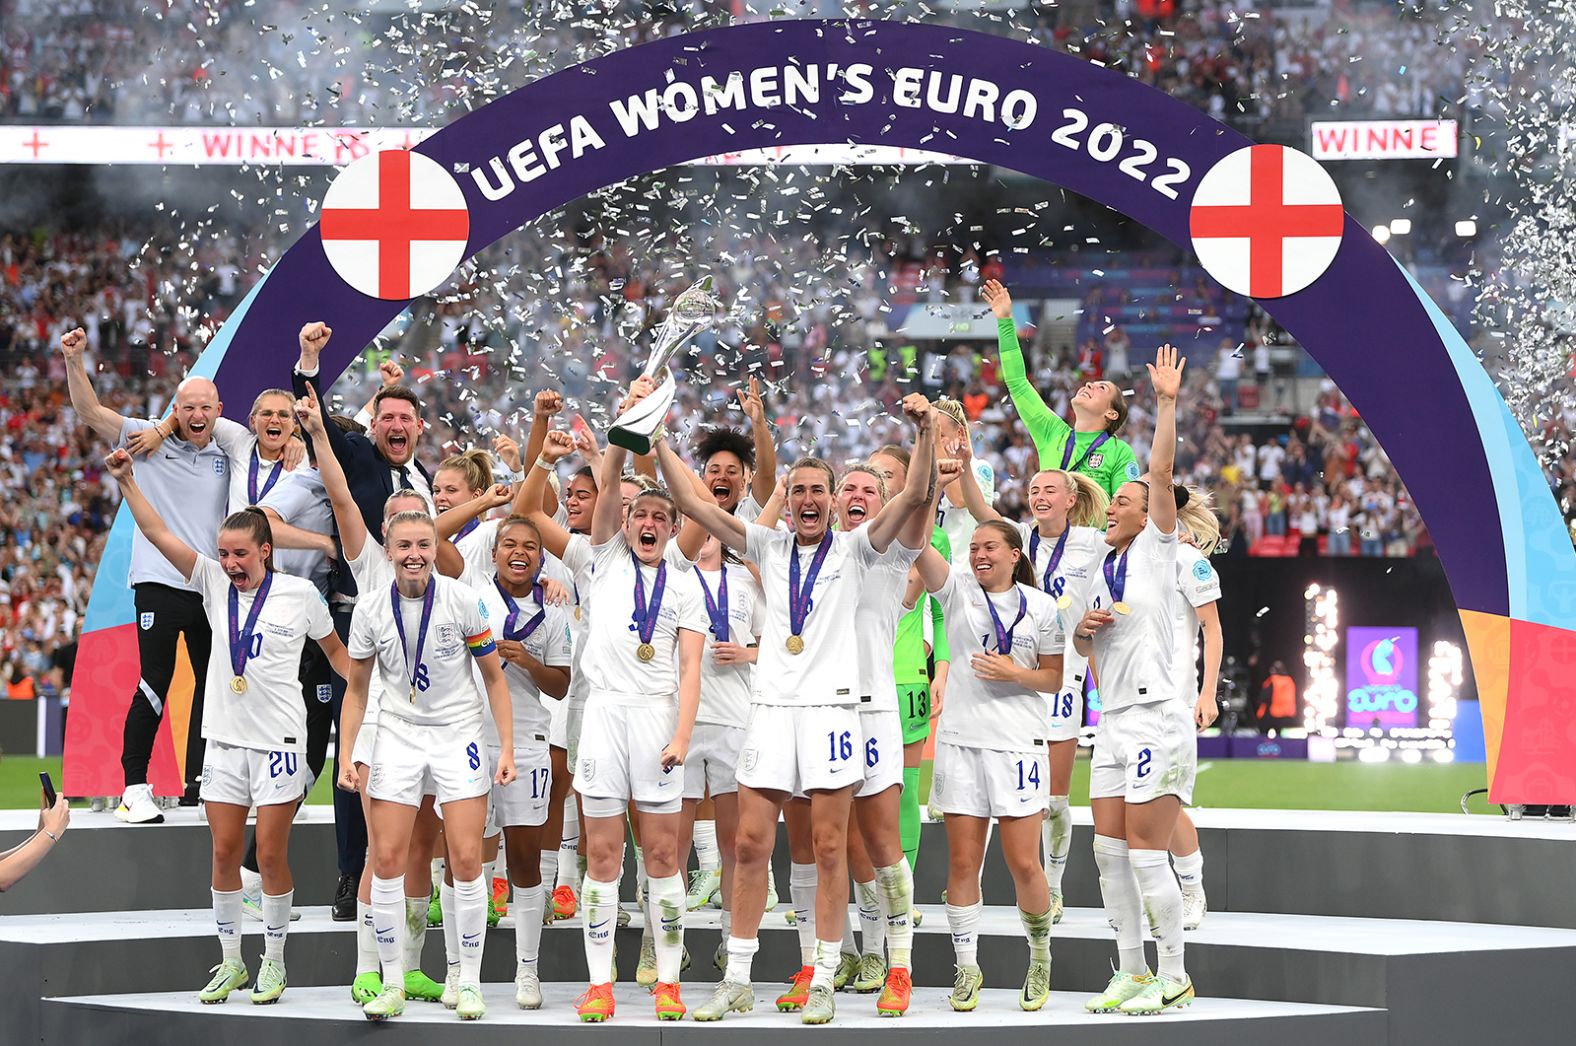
1166, 373
149, 521
932, 569
973, 496
730, 529
103, 421
917, 527
312, 339
765, 479
451, 521
1045, 428
528, 499
548, 402
347, 514
896, 514
609, 513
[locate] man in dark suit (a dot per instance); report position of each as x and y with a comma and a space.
376, 465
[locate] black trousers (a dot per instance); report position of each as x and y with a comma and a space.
350, 824
163, 614
317, 695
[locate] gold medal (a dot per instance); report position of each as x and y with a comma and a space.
645, 651
577, 613
238, 684
1063, 602
412, 695
1121, 608
796, 644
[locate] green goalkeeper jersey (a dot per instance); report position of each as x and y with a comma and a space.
908, 655
1105, 459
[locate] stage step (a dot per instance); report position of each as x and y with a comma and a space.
1297, 862
1462, 970
326, 1017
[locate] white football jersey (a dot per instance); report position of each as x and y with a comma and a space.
373, 573
826, 672
1135, 658
549, 643
980, 713
1197, 585
476, 547
725, 689
1081, 558
880, 609
249, 474
270, 715
444, 692
609, 660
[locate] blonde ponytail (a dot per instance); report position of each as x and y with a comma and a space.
1199, 519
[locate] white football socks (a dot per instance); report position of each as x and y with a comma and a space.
388, 921
276, 924
227, 920
470, 917
1162, 899
1123, 905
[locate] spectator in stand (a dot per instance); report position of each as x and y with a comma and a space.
1307, 516
1228, 372
1340, 543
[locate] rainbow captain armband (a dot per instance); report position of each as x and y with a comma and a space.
481, 643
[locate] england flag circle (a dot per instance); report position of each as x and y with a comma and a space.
394, 224
1266, 221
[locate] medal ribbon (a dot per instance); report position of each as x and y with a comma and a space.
1056, 555
251, 477
241, 641
421, 635
799, 601
1115, 568
646, 615
1072, 442
716, 609
1004, 635
470, 526
521, 634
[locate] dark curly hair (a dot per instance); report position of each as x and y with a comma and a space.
715, 440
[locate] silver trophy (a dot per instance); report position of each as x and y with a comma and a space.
692, 312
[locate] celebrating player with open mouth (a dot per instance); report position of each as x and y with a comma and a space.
253, 719
804, 734
642, 660
1145, 753
533, 642
420, 634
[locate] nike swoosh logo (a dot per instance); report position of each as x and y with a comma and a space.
275, 929
598, 926
389, 930
470, 936
1167, 1000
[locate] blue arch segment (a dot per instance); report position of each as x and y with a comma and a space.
1361, 320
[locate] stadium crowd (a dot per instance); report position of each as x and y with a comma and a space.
834, 371
126, 61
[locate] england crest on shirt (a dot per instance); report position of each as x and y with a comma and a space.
218, 466
145, 620
1096, 459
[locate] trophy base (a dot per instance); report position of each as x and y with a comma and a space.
630, 440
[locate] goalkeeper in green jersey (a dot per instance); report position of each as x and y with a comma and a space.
1089, 445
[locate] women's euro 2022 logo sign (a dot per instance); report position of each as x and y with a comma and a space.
1264, 220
